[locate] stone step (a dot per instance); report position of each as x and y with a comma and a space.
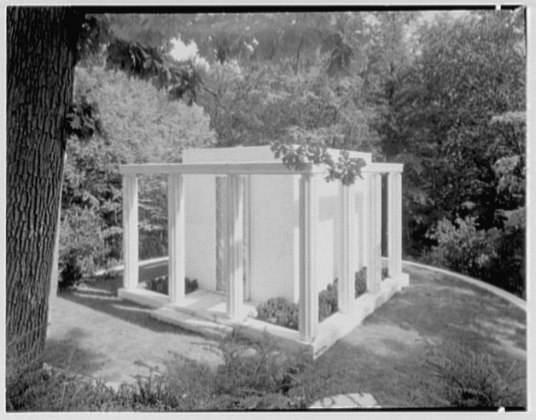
204, 314
191, 322
215, 314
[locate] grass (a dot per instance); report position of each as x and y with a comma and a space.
107, 336
388, 356
252, 375
464, 379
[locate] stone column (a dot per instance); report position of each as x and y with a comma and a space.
395, 224
374, 265
363, 221
235, 244
130, 231
247, 237
176, 236
345, 281
308, 219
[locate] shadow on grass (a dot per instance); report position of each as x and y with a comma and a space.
385, 355
100, 296
68, 354
441, 307
394, 378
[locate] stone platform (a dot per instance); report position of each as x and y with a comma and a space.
205, 312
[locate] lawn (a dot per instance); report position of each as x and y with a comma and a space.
94, 333
386, 355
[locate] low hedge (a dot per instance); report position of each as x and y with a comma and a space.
281, 311
161, 285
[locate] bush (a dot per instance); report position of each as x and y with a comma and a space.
494, 256
82, 245
253, 375
279, 311
160, 284
464, 248
464, 379
258, 375
133, 114
46, 389
328, 301
360, 282
508, 270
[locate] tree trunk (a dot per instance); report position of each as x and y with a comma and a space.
41, 50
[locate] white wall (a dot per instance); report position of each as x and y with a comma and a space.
200, 224
273, 215
274, 253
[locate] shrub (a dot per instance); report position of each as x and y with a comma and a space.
82, 245
47, 389
493, 255
328, 301
279, 311
508, 270
133, 114
253, 375
462, 378
464, 248
360, 282
258, 375
160, 284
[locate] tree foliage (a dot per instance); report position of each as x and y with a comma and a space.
132, 114
445, 97
385, 82
443, 119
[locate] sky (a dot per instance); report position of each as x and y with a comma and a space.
180, 51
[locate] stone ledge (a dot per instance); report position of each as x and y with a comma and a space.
192, 323
144, 297
204, 312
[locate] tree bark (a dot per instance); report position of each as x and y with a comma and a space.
41, 54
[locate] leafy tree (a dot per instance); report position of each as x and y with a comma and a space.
132, 114
466, 71
273, 37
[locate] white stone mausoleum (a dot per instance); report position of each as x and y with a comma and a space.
248, 229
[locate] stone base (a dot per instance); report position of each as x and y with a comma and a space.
143, 297
332, 328
192, 323
204, 312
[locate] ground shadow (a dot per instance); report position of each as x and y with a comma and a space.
102, 296
68, 354
386, 354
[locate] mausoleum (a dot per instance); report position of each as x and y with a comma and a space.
249, 229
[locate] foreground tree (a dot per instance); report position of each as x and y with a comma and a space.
41, 56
